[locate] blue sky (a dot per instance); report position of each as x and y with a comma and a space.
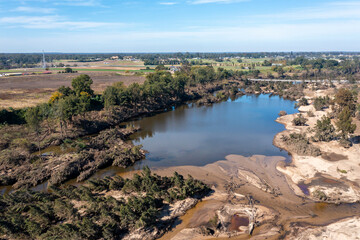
179, 25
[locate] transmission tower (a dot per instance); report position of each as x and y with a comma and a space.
43, 61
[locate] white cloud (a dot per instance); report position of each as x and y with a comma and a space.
322, 27
341, 36
34, 10
53, 22
215, 1
168, 3
83, 3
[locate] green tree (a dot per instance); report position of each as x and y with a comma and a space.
324, 130
203, 74
134, 91
179, 83
321, 102
83, 104
70, 106
344, 123
266, 63
33, 119
110, 97
68, 70
82, 83
303, 102
345, 98
160, 67
300, 120
65, 91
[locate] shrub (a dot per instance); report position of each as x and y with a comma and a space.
321, 102
324, 130
346, 98
344, 123
55, 97
299, 121
341, 171
282, 113
221, 95
301, 145
12, 116
345, 143
310, 114
302, 102
320, 195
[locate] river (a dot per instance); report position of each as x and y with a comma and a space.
192, 135
199, 135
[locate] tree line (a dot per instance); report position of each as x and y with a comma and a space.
29, 60
160, 87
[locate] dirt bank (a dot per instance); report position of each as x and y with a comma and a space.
106, 149
333, 175
250, 187
21, 167
345, 229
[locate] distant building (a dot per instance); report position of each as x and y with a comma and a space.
277, 64
174, 69
12, 74
114, 58
128, 58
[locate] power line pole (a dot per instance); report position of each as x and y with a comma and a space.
43, 61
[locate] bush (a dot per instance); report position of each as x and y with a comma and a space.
321, 102
68, 70
221, 95
344, 123
302, 102
301, 145
282, 113
320, 195
346, 98
310, 114
12, 116
299, 121
345, 143
324, 130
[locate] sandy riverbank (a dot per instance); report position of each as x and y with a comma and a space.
276, 209
335, 172
279, 199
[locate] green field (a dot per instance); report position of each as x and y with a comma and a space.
103, 70
10, 71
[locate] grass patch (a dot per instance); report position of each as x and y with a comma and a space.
10, 71
341, 171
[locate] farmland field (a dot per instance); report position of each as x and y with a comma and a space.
105, 70
29, 90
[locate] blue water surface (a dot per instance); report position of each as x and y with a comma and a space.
192, 135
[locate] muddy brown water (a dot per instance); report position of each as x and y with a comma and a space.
304, 188
237, 222
289, 209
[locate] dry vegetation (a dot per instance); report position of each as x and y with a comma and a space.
28, 91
